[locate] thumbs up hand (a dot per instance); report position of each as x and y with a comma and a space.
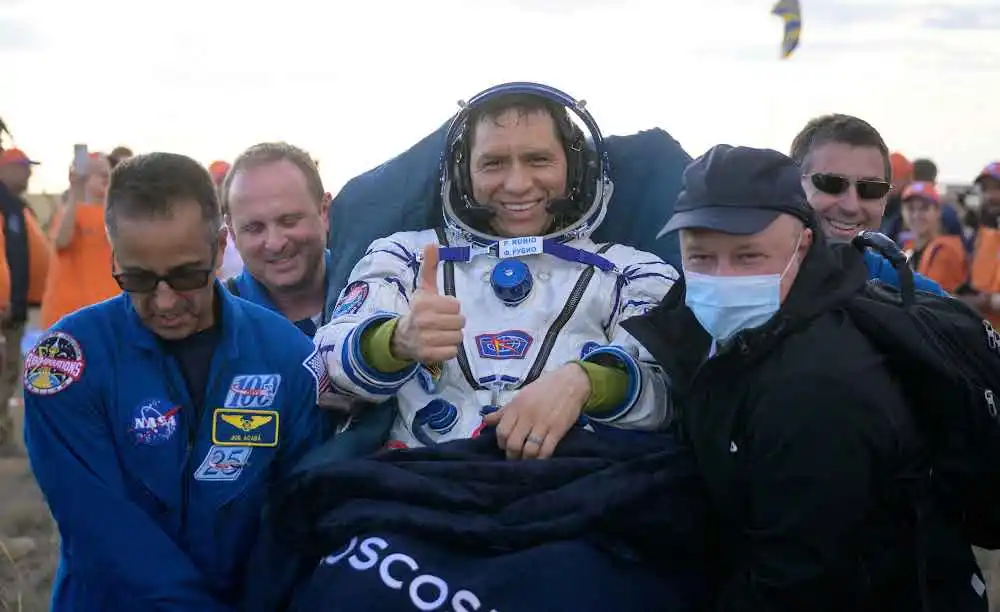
432, 331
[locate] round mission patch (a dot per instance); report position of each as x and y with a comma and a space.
352, 299
54, 363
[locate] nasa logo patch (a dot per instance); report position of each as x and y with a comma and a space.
223, 463
510, 344
53, 364
253, 391
154, 421
352, 299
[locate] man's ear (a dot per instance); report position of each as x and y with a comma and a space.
221, 245
807, 241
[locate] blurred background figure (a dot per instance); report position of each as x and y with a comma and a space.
80, 272
901, 175
933, 252
118, 155
22, 281
232, 263
924, 170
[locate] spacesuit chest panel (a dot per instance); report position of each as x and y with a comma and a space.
512, 344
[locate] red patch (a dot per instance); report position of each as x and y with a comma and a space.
395, 445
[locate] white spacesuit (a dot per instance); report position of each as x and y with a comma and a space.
531, 304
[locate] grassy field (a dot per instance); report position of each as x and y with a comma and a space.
29, 547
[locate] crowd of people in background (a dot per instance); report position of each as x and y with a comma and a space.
62, 265
131, 240
948, 237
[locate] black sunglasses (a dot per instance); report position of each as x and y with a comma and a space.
836, 184
178, 280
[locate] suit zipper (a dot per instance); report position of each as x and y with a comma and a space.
192, 435
172, 370
564, 316
194, 426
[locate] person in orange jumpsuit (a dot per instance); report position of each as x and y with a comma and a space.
80, 272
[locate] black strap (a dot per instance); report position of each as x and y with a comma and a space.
888, 249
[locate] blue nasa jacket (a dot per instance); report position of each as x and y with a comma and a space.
879, 268
368, 429
249, 288
158, 508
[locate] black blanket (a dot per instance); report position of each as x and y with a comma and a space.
613, 518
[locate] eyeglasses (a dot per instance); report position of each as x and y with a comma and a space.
146, 282
836, 184
178, 280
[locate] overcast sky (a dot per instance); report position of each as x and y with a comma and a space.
357, 82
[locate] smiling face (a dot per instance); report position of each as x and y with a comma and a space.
843, 215
517, 166
278, 225
922, 216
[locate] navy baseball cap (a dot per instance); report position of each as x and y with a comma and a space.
739, 190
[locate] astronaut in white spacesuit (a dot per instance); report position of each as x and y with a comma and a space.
509, 315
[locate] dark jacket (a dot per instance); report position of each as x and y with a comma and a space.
810, 456
26, 253
608, 523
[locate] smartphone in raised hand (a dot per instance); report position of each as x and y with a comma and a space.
80, 157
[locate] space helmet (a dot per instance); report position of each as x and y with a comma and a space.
588, 183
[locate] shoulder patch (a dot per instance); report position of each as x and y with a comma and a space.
315, 364
53, 364
352, 299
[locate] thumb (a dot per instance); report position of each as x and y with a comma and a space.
428, 269
493, 419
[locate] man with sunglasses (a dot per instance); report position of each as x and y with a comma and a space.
157, 420
846, 176
803, 439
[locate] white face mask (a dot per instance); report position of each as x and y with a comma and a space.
725, 305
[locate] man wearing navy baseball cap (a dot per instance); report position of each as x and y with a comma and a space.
802, 435
745, 226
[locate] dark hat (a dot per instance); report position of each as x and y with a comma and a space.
739, 190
